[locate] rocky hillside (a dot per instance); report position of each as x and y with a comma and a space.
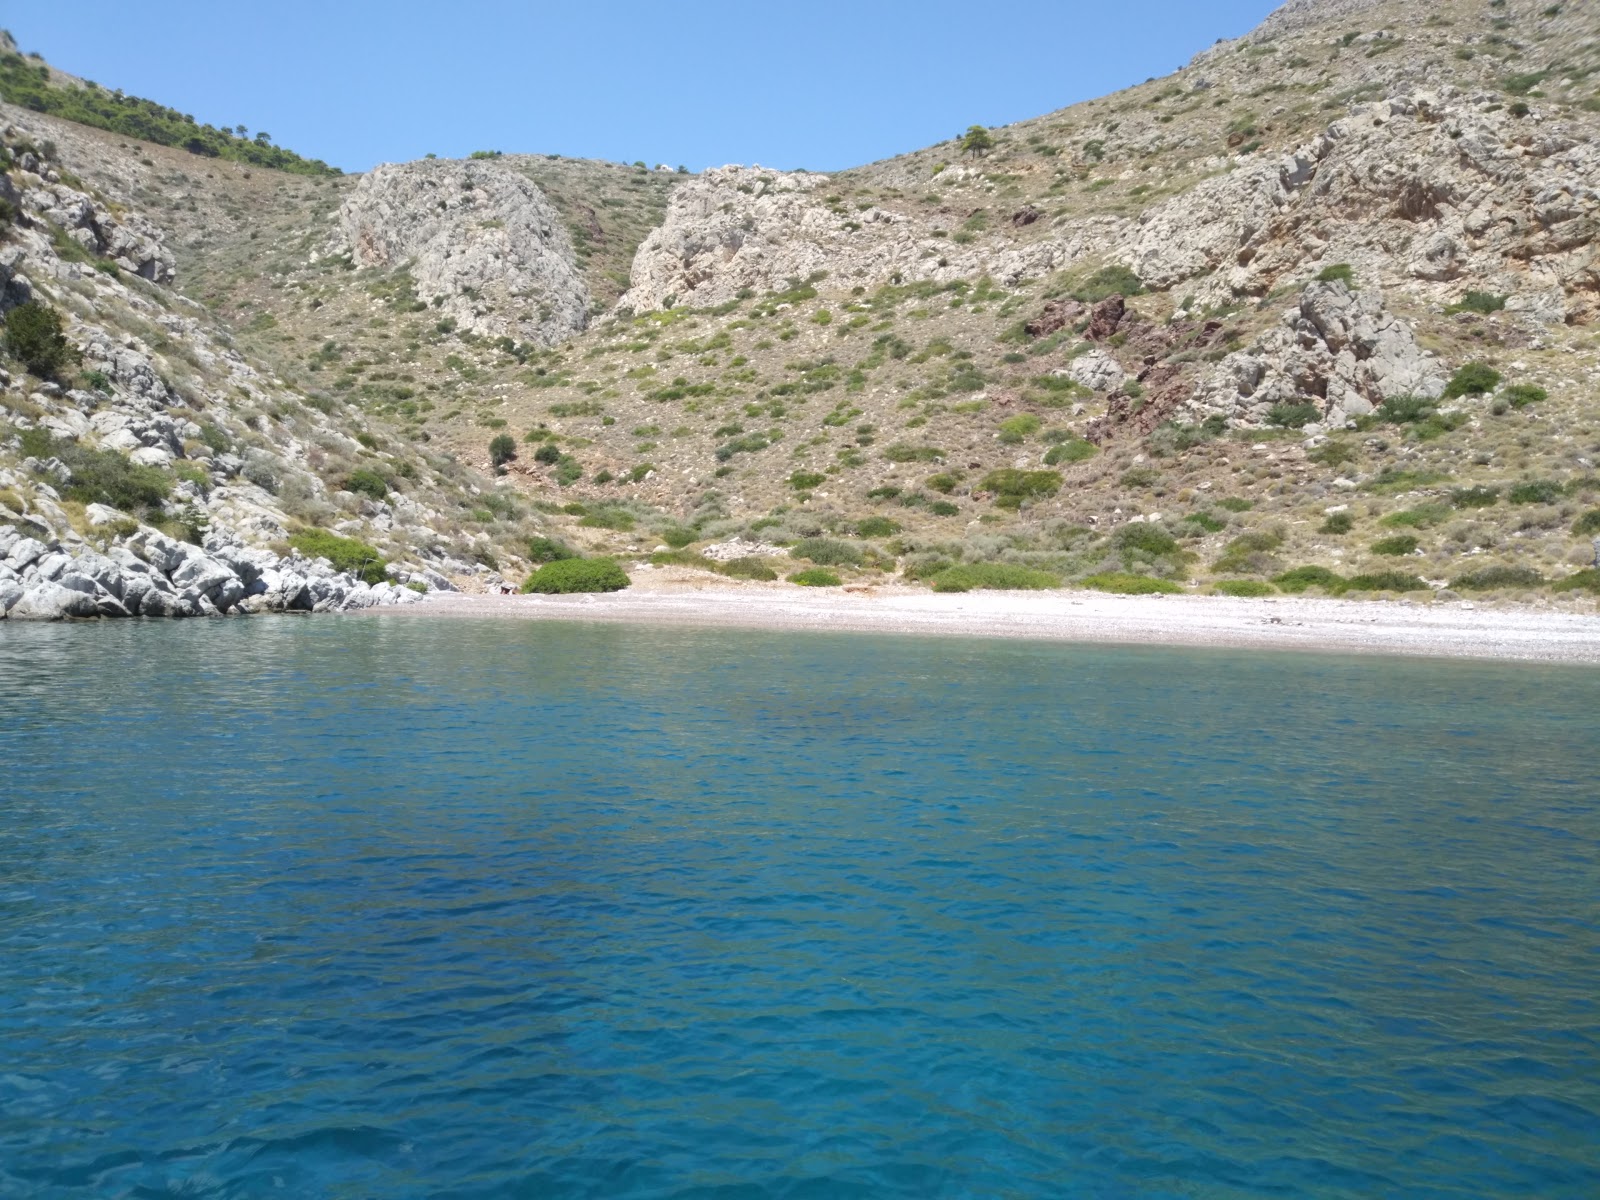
1316, 310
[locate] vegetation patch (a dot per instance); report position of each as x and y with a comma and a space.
827, 552
816, 577
346, 554
1474, 379
1126, 584
1386, 581
567, 575
543, 549
1012, 485
1302, 579
1403, 543
1247, 588
968, 577
1490, 578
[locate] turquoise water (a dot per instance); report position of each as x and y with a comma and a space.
383, 907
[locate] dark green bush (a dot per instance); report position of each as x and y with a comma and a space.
679, 536
1385, 581
346, 554
547, 455
1586, 580
1588, 524
1474, 379
577, 575
1483, 303
1293, 416
1332, 454
1014, 484
1488, 578
1520, 395
368, 482
967, 577
874, 527
608, 517
1423, 516
1145, 537
1236, 504
804, 481
543, 549
568, 471
1108, 282
815, 577
944, 483
1475, 497
1073, 451
1302, 578
35, 336
502, 449
1537, 491
1403, 543
1337, 273
1338, 523
900, 453
1125, 584
1244, 587
943, 508
827, 552
100, 476
745, 568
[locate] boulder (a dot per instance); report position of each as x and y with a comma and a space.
53, 602
1097, 371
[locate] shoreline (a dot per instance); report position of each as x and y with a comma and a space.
1291, 623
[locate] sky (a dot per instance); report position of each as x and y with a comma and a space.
815, 84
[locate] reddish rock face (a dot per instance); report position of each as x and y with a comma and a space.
1105, 318
1057, 314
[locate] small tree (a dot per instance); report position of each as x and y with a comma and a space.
35, 338
502, 449
977, 141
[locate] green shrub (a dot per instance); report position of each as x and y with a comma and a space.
943, 508
1337, 273
827, 552
1332, 454
1125, 584
901, 453
1482, 303
967, 577
1588, 524
607, 517
1385, 581
1146, 538
1244, 587
547, 455
1236, 504
1293, 416
1246, 552
502, 449
543, 549
1302, 578
815, 577
1488, 578
567, 575
804, 481
679, 536
346, 554
1474, 379
1586, 580
1108, 282
100, 476
35, 336
1423, 516
1338, 523
1475, 497
1520, 395
1016, 485
1019, 428
568, 471
745, 568
368, 482
943, 483
1073, 451
874, 527
1403, 543
1537, 491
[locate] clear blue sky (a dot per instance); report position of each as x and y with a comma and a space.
821, 84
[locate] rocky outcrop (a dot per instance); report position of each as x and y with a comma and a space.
483, 244
1337, 349
153, 575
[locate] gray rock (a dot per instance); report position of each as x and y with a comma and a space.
52, 602
24, 553
10, 593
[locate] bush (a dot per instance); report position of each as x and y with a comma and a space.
968, 577
1338, 523
871, 527
827, 552
1475, 497
1487, 578
577, 575
1482, 303
346, 554
1474, 379
35, 337
1013, 485
1588, 524
815, 577
502, 449
608, 517
1587, 580
1108, 282
1144, 537
101, 476
745, 568
543, 549
1537, 491
1332, 454
1244, 588
1520, 395
1423, 516
804, 481
944, 484
1403, 543
1074, 451
1338, 273
679, 536
1125, 584
547, 455
1293, 416
368, 482
1019, 428
1302, 578
1385, 581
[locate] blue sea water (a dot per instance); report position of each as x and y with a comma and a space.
383, 907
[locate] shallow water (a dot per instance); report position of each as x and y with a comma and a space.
389, 907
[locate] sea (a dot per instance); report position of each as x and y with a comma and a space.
387, 906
